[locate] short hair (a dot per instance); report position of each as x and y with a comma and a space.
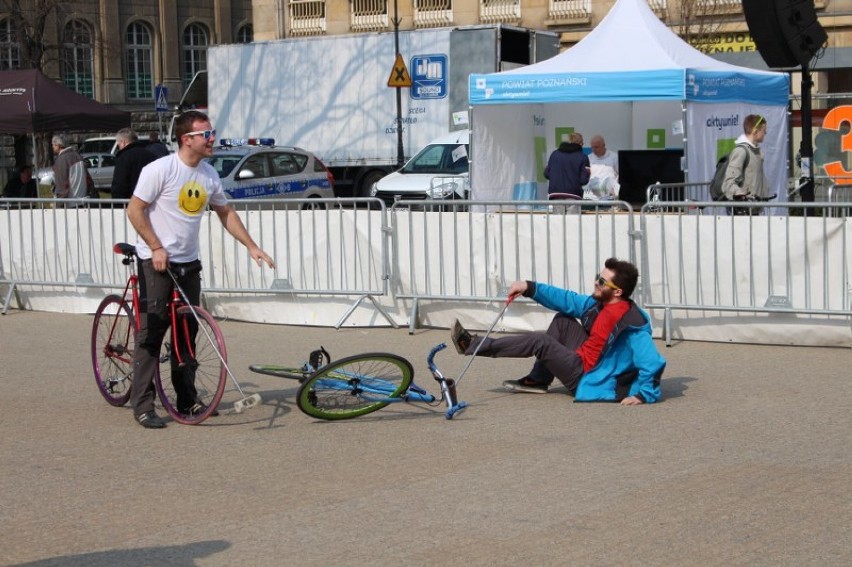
184, 122
752, 121
625, 275
126, 135
575, 138
154, 137
59, 140
25, 167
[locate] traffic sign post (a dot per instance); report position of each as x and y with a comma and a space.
161, 104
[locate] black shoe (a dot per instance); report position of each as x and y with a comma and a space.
461, 338
150, 420
197, 409
525, 385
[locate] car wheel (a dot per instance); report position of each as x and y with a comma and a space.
367, 182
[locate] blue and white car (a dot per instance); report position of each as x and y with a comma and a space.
258, 169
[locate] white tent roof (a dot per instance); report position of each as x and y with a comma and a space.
630, 38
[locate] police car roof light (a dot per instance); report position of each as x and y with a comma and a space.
230, 142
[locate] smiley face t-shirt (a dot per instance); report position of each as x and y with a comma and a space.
177, 197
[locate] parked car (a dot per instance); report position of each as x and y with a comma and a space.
101, 167
438, 171
257, 168
102, 145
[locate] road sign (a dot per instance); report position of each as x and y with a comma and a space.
399, 76
161, 98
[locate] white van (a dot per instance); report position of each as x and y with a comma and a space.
438, 171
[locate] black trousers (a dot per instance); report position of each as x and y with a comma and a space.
555, 351
155, 292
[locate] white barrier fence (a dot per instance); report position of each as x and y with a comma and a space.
781, 278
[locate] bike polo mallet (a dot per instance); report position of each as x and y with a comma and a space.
247, 402
491, 328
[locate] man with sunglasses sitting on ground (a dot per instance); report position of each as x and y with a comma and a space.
599, 346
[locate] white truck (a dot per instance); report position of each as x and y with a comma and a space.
330, 94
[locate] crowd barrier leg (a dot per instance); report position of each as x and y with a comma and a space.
378, 308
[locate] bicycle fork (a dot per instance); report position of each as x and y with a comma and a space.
448, 385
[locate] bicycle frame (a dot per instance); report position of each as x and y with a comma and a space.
379, 390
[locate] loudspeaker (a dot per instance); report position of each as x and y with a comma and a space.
786, 32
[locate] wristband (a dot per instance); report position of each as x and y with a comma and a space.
155, 249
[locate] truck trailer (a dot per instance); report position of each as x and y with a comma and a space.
330, 94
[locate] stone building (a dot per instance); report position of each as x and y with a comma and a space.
119, 51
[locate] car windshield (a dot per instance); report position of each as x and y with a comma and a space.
439, 158
223, 164
96, 146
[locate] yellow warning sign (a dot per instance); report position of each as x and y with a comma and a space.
399, 76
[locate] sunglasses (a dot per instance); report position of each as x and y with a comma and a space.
206, 133
603, 282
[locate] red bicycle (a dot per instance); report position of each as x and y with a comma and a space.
113, 341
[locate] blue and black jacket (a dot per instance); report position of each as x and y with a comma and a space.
629, 364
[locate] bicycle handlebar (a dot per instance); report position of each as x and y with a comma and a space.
430, 359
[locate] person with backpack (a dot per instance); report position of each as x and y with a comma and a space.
744, 176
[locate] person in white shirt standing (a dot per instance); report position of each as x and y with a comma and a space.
602, 156
166, 210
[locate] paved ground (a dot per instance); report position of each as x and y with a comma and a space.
746, 462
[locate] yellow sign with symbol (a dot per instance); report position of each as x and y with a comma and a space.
399, 76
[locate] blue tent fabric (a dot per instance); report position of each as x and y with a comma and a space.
630, 55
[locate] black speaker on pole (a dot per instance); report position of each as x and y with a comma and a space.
786, 32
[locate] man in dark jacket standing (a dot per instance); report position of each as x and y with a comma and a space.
568, 167
132, 156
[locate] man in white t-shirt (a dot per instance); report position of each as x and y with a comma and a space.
600, 155
166, 210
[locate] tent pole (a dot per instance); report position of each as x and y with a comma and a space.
684, 164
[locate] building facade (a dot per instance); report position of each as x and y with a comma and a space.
118, 52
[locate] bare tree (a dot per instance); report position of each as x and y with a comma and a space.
29, 19
699, 22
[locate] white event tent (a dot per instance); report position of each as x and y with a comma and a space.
635, 82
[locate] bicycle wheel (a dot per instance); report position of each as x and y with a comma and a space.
355, 385
190, 371
113, 340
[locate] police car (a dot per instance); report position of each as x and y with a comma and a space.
255, 168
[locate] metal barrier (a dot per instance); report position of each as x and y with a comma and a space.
473, 250
794, 263
54, 243
837, 189
328, 247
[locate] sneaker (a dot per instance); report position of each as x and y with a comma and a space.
525, 385
150, 420
461, 338
197, 409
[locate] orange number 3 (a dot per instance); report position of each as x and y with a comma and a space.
836, 117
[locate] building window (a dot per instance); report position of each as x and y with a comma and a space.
140, 80
10, 57
500, 11
78, 58
369, 15
307, 17
433, 13
570, 10
245, 34
194, 51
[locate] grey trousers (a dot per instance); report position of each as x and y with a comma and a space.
555, 351
155, 290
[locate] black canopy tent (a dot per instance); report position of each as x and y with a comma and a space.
33, 103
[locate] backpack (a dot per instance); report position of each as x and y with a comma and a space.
716, 191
